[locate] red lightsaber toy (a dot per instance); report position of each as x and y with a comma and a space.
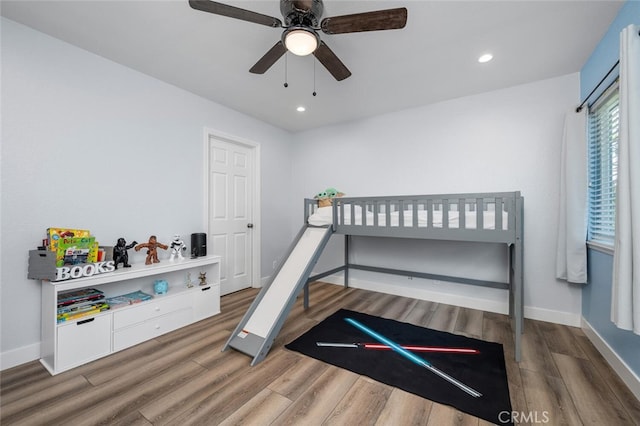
412, 348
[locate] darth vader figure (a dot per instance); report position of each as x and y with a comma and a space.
120, 254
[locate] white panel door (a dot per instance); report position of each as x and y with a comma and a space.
230, 197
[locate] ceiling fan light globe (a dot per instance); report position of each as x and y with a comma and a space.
301, 42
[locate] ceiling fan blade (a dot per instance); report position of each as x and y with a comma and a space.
269, 58
235, 12
331, 62
389, 19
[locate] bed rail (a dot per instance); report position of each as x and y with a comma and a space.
485, 217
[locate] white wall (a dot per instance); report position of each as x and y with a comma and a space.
91, 144
507, 140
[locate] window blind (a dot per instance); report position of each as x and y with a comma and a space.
604, 119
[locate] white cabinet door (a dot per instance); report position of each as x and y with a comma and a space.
206, 302
83, 341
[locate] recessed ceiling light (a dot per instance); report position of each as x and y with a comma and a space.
301, 109
485, 58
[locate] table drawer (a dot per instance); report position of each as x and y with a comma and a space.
156, 307
125, 337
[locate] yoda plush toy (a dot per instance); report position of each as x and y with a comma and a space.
324, 198
333, 193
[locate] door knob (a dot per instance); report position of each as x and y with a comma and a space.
249, 225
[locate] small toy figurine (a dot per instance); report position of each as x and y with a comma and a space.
152, 250
203, 278
333, 193
189, 282
325, 197
177, 247
120, 254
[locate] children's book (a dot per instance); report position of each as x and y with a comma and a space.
128, 299
80, 306
76, 250
55, 234
64, 312
77, 296
84, 313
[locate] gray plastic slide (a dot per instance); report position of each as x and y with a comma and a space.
264, 319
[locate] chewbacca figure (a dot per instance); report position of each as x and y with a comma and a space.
152, 250
120, 254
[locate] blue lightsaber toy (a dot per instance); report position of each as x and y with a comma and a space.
413, 357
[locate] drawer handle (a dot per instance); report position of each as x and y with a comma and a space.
157, 308
85, 321
206, 288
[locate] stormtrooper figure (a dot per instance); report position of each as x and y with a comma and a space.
177, 247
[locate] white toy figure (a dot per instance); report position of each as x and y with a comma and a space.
177, 247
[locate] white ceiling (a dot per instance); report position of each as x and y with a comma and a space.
433, 59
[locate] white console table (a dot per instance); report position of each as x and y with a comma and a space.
73, 343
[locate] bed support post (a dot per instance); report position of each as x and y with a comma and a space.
517, 281
346, 260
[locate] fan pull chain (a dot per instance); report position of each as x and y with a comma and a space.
314, 77
285, 70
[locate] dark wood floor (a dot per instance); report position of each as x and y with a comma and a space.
183, 378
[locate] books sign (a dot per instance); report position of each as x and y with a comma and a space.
85, 270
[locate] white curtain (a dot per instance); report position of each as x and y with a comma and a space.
571, 246
625, 303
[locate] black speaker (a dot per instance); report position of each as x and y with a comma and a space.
198, 244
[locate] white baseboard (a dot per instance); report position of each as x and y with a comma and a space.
19, 356
621, 368
488, 305
422, 294
556, 317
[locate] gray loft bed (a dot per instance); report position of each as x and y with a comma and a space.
488, 217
